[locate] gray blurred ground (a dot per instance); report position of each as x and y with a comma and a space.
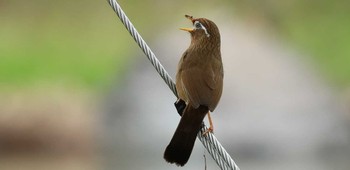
276, 112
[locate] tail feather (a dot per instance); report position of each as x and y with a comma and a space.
180, 147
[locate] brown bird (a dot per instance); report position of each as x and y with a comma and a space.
199, 82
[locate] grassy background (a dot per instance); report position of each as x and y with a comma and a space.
69, 41
83, 41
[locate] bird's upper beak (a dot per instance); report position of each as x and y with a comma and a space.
188, 29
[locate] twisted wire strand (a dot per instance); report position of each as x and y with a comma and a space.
143, 45
215, 149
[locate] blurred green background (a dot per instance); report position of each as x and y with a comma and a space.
319, 28
70, 41
57, 58
79, 41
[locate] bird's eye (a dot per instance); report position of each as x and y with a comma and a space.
197, 24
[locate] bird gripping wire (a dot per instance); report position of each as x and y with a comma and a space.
216, 150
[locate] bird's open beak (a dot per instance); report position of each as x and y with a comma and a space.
188, 29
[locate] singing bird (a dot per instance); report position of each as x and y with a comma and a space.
199, 82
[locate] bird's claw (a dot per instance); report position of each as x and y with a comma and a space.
210, 129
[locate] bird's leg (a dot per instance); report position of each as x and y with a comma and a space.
211, 126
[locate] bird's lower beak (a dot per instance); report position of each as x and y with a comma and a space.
187, 29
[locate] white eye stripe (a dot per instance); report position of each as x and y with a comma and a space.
198, 25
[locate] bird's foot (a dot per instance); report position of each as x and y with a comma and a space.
209, 130
211, 127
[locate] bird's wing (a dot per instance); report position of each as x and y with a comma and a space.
195, 87
202, 85
214, 80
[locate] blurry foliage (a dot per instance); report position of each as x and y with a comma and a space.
69, 41
84, 42
321, 28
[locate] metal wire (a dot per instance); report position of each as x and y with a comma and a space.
143, 45
215, 149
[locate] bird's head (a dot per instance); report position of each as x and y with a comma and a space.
203, 30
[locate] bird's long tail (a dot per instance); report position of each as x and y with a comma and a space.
180, 147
